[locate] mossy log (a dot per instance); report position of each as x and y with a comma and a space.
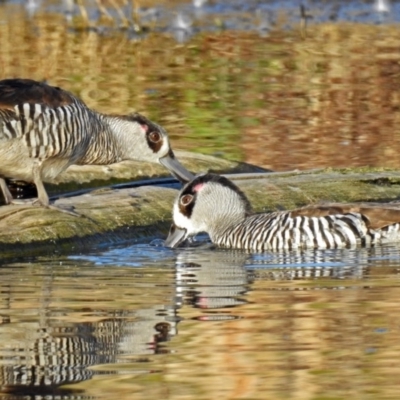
111, 215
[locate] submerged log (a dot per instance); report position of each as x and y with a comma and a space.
110, 215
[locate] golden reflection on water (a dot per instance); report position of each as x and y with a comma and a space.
279, 101
205, 325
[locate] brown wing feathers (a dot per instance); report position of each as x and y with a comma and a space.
378, 215
20, 91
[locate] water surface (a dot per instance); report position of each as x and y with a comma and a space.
202, 323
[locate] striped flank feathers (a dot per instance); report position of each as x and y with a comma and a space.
214, 205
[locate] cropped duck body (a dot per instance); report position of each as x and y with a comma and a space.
44, 129
213, 204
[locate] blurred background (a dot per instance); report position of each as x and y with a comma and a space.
281, 84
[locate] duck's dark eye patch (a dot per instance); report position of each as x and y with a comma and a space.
186, 199
155, 137
186, 205
154, 140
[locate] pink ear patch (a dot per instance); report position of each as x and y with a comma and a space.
198, 187
145, 127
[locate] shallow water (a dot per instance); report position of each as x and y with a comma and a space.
202, 323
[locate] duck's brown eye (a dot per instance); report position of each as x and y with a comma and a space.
155, 137
186, 199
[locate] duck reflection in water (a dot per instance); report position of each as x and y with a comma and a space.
42, 351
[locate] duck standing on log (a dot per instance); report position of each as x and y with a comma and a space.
44, 130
